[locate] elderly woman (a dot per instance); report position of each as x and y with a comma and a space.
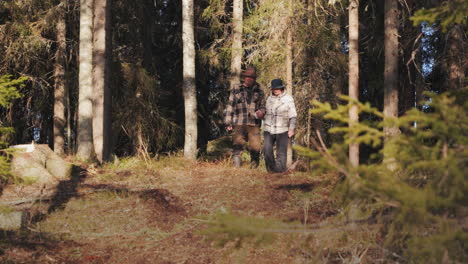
279, 125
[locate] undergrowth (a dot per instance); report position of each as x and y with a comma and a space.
414, 197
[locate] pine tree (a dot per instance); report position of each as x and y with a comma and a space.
8, 93
429, 160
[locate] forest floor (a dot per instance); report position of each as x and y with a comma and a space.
130, 211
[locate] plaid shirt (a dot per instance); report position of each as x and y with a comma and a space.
242, 105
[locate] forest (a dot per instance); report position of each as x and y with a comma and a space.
130, 96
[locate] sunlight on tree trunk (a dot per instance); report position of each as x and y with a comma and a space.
391, 65
391, 73
59, 89
189, 88
101, 69
237, 51
353, 75
289, 76
85, 94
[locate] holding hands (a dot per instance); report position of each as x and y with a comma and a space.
259, 114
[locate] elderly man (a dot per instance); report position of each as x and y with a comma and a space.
244, 111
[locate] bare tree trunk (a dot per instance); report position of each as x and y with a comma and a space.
59, 89
237, 51
85, 94
391, 66
101, 79
189, 87
353, 75
289, 81
354, 95
391, 73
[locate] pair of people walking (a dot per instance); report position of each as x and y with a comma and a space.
246, 109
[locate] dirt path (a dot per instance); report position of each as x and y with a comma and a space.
154, 214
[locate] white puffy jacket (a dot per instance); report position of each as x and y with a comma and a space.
279, 112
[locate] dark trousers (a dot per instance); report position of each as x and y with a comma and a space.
277, 164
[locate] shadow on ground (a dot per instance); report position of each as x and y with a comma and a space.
66, 190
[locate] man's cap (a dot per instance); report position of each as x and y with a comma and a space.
250, 72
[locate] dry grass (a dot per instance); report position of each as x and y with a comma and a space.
132, 211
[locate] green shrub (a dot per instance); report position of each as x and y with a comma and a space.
8, 93
423, 192
419, 200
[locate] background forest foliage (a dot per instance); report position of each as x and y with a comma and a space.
419, 197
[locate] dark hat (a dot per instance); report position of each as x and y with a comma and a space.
250, 72
277, 84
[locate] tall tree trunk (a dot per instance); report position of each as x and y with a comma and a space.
59, 87
454, 68
353, 75
189, 87
101, 63
237, 51
289, 75
85, 94
353, 212
391, 66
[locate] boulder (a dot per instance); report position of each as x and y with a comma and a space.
39, 164
39, 171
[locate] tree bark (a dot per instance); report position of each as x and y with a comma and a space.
59, 87
289, 76
391, 66
237, 51
353, 75
189, 87
85, 94
101, 104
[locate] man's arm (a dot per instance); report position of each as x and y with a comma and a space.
261, 109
